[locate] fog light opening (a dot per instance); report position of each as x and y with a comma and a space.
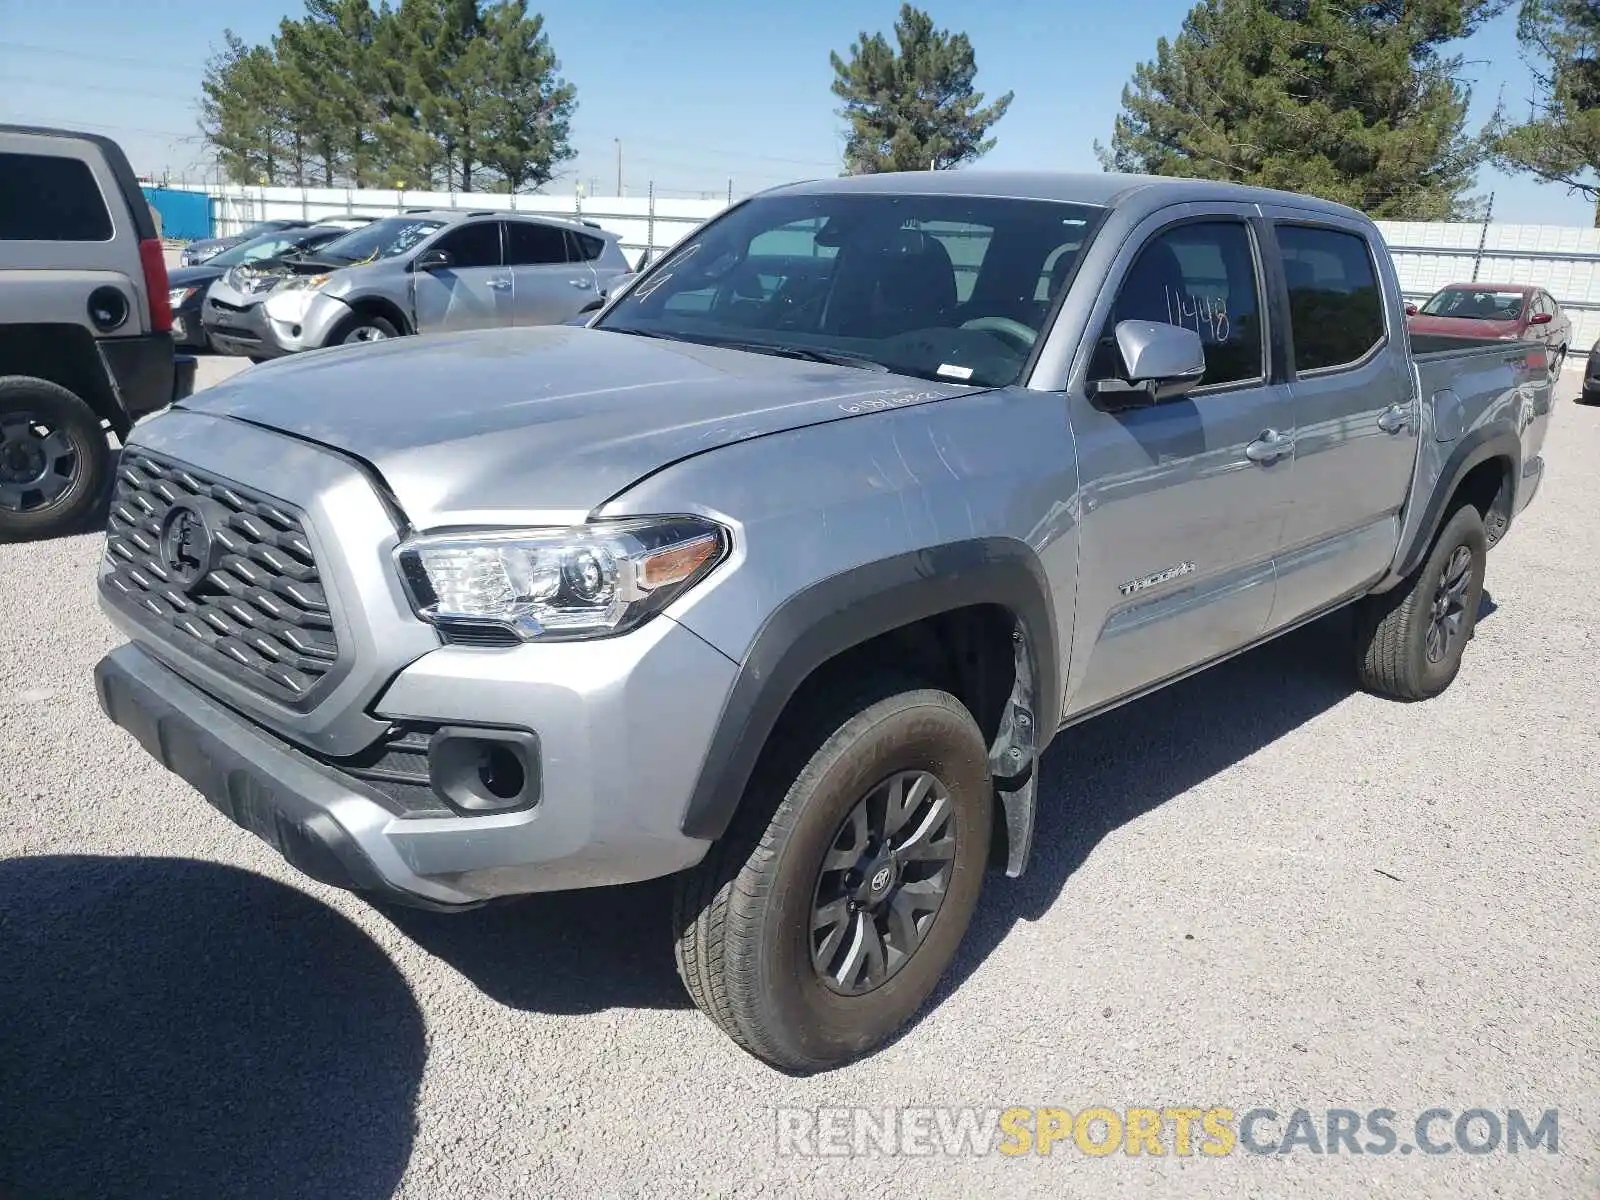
501, 773
484, 771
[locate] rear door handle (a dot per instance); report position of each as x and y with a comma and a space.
500, 285
1269, 447
1394, 418
581, 283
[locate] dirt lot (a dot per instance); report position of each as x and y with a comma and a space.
1256, 889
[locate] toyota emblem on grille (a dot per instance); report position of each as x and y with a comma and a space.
187, 547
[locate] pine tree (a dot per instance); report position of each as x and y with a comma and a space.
1353, 102
527, 109
243, 115
913, 108
450, 93
1560, 141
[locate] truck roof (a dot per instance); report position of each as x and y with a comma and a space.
1105, 189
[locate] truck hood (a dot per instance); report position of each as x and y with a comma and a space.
490, 426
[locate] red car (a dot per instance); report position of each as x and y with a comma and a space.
1500, 310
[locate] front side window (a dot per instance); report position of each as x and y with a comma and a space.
45, 198
475, 244
1200, 276
941, 287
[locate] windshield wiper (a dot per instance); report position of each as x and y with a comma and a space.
636, 332
837, 358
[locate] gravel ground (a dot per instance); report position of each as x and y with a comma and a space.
1257, 888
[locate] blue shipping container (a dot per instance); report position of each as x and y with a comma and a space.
185, 216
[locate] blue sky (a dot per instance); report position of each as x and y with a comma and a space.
698, 93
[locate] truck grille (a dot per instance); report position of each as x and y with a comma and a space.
223, 572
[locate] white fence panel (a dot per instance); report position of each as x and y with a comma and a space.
642, 222
1562, 259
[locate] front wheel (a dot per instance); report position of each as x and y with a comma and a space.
363, 328
825, 918
1411, 638
53, 459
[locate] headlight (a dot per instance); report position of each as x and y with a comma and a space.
305, 283
560, 584
251, 281
177, 296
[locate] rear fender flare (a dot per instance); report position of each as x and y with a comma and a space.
1475, 448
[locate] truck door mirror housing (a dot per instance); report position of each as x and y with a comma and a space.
1160, 361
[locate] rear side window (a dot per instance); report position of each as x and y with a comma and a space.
529, 244
1335, 307
50, 199
584, 248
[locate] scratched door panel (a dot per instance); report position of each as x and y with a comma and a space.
1180, 526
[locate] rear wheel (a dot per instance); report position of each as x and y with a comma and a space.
1411, 638
364, 327
825, 918
53, 459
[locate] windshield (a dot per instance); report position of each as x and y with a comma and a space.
1478, 304
269, 245
955, 288
381, 239
261, 227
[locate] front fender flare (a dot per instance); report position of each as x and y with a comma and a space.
850, 608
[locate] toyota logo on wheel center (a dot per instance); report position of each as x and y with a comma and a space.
880, 878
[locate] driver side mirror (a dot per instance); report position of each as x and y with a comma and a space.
1161, 361
1411, 310
1540, 318
433, 260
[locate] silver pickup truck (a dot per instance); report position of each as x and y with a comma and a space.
781, 575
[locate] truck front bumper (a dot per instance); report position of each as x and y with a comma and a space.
620, 740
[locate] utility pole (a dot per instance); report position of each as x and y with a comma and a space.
1483, 238
618, 141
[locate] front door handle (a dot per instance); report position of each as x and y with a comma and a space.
1269, 447
1394, 418
581, 283
500, 285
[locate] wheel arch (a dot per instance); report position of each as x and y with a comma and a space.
972, 615
65, 355
1482, 470
375, 305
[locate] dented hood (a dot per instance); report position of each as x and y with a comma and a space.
485, 426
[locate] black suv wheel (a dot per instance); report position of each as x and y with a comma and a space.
53, 459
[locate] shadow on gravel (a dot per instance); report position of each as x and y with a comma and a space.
561, 952
175, 1028
1102, 774
1486, 606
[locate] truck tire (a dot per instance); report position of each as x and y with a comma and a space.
1410, 639
826, 916
54, 459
